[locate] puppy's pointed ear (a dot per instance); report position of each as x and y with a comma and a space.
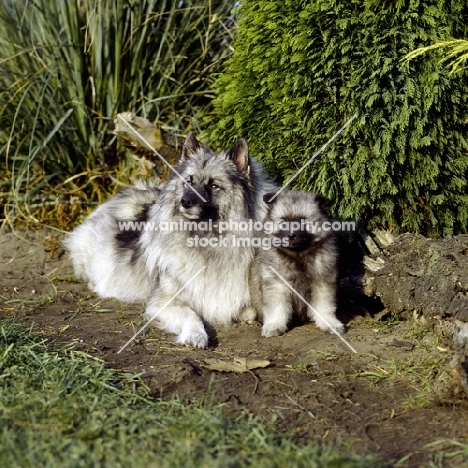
239, 154
191, 145
267, 198
323, 203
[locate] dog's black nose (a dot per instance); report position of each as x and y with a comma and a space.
189, 199
297, 236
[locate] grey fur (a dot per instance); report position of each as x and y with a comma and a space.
308, 264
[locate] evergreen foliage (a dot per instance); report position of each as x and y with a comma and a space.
301, 69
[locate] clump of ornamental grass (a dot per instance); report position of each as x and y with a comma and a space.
68, 68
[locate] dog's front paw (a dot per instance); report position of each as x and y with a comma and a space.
193, 336
330, 325
273, 330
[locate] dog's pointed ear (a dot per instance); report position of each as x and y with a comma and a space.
191, 145
239, 155
267, 198
323, 203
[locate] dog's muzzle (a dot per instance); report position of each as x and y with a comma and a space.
195, 204
296, 240
190, 199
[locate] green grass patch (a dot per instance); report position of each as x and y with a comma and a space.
62, 408
425, 374
387, 320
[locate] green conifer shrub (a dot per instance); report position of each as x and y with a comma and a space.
301, 69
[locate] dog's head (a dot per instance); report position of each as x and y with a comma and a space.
209, 185
297, 219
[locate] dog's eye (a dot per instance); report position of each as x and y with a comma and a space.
214, 187
189, 181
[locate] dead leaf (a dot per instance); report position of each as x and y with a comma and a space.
239, 364
401, 344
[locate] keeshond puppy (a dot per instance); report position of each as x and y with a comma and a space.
303, 255
188, 258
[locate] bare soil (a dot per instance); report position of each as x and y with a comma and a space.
395, 397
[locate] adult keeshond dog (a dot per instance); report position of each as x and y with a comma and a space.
304, 255
191, 256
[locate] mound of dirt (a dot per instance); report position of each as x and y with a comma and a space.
426, 276
428, 279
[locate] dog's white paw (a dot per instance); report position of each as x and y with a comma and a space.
330, 325
248, 314
193, 336
273, 330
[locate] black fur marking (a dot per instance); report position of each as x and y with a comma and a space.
268, 196
129, 239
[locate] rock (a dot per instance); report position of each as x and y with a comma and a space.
368, 286
373, 265
383, 238
371, 245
